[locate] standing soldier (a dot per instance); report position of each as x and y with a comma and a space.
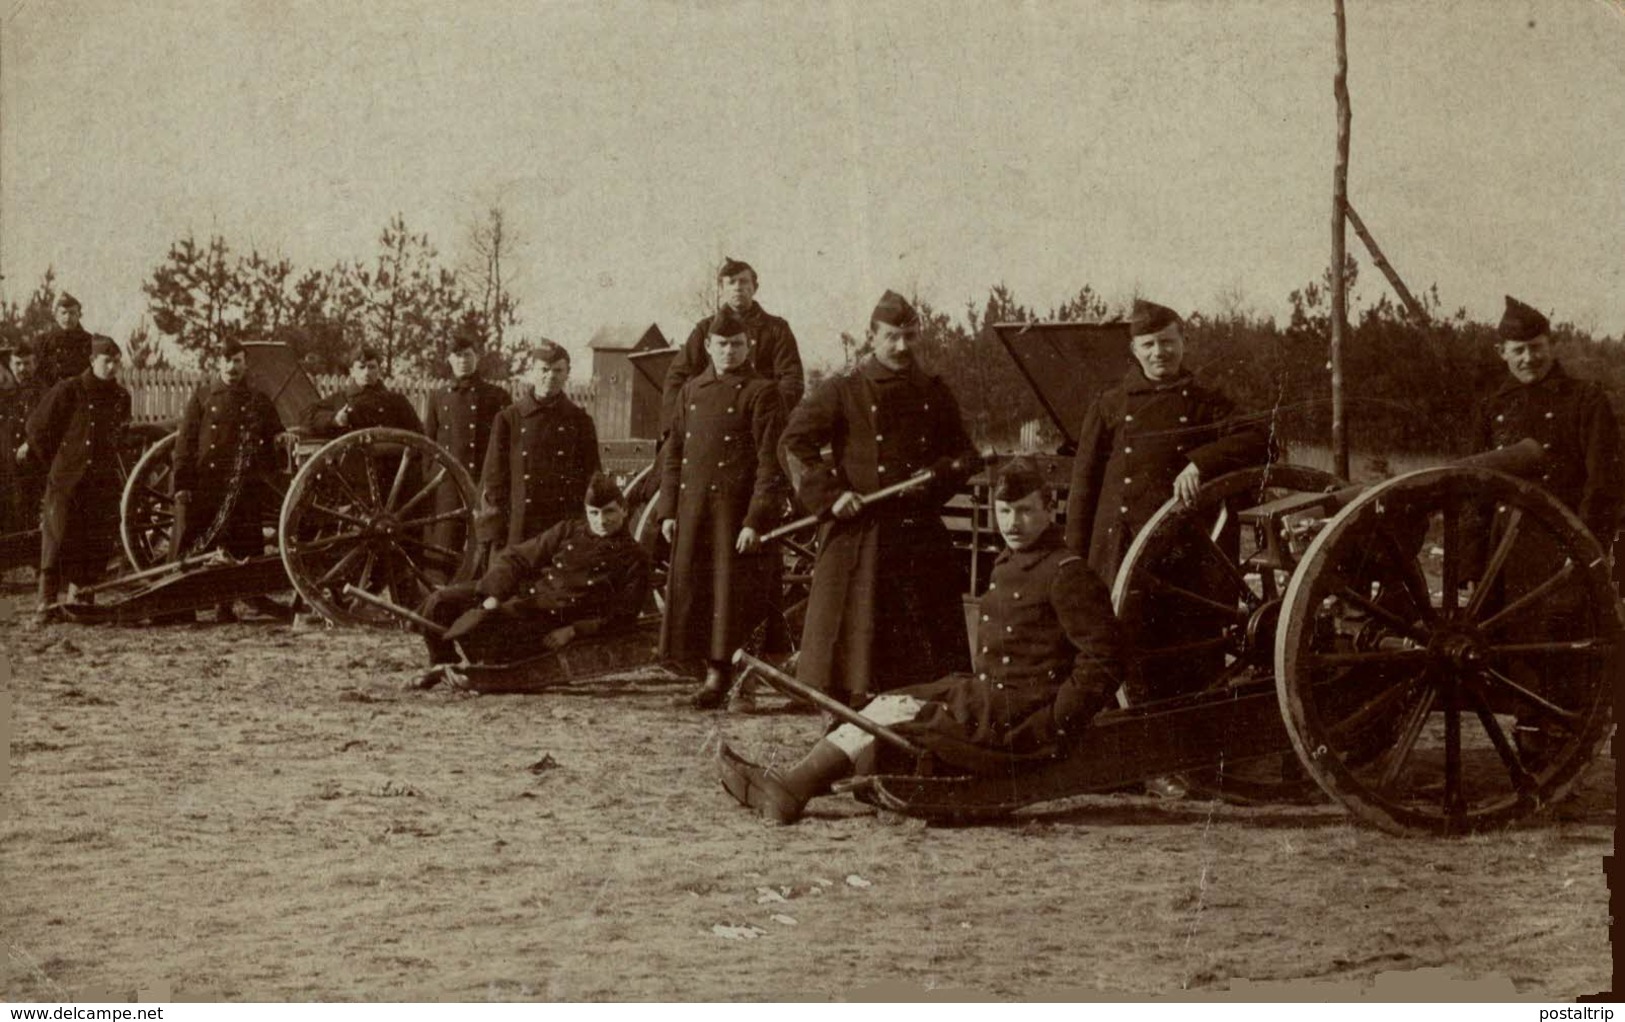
65, 351
365, 403
76, 431
773, 351
224, 452
460, 418
721, 488
543, 449
1158, 434
1574, 423
884, 610
21, 481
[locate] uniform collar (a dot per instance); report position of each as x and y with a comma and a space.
468, 382
1048, 542
872, 370
371, 388
1136, 382
1513, 385
710, 375
530, 405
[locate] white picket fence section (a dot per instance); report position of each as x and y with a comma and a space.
160, 395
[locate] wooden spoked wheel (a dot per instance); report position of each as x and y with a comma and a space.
363, 511
147, 508
645, 526
1199, 596
1448, 652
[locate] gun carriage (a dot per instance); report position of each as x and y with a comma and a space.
1436, 652
369, 509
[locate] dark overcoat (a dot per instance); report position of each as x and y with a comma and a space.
537, 464
22, 483
460, 419
370, 407
885, 607
774, 356
1048, 657
1135, 439
62, 354
226, 438
721, 474
567, 575
76, 430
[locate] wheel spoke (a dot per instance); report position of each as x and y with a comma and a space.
323, 542
341, 565
1450, 543
1395, 759
1374, 707
400, 478
366, 570
1519, 774
433, 484
1183, 648
1374, 656
1215, 553
1454, 803
341, 515
1498, 559
1592, 646
447, 552
444, 516
422, 577
1410, 575
1539, 702
336, 473
369, 468
1383, 614
1163, 585
1533, 596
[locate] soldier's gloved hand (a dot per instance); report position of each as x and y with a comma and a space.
491, 603
668, 529
846, 505
342, 417
559, 637
22, 453
1186, 484
748, 542
1073, 709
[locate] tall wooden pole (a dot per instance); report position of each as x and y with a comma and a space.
1340, 191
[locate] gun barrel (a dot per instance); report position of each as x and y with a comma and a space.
411, 616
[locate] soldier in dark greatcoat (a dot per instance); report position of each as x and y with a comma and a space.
578, 578
1158, 434
224, 455
365, 403
1575, 425
720, 490
543, 449
1048, 658
460, 419
774, 354
884, 609
22, 478
76, 430
64, 352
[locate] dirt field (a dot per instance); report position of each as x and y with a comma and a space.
249, 812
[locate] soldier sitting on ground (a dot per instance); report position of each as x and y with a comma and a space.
577, 579
1048, 660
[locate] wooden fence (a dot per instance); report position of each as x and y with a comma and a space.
160, 395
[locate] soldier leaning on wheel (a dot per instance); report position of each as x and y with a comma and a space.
1158, 434
542, 451
224, 451
582, 577
76, 431
1049, 657
720, 488
364, 403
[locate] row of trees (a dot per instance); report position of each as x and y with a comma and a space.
1408, 387
405, 302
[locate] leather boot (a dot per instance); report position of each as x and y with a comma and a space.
779, 797
709, 696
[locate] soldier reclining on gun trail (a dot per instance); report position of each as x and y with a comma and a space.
1048, 659
577, 578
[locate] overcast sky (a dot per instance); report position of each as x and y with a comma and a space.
1182, 150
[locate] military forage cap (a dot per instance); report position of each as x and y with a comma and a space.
368, 354
894, 310
732, 267
726, 323
103, 345
464, 342
1521, 322
66, 301
1149, 318
231, 349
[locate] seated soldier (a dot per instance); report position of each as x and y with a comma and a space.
578, 578
1048, 659
363, 404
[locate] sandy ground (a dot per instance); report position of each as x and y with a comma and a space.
252, 812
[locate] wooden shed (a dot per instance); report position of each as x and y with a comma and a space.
627, 402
